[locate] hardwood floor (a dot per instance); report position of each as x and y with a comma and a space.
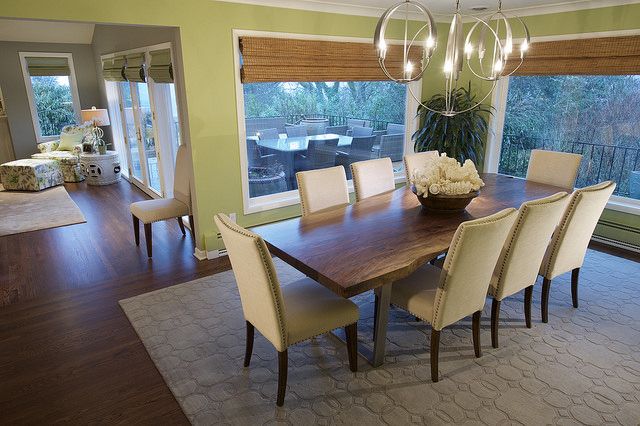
68, 351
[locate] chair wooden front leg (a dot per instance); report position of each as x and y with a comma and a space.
249, 344
136, 229
351, 332
181, 225
376, 302
476, 333
192, 225
528, 295
546, 287
435, 348
147, 236
495, 318
283, 362
575, 275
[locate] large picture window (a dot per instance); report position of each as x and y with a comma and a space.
52, 92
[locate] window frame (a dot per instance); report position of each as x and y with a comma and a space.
496, 121
73, 85
292, 197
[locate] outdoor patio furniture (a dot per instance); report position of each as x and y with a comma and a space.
352, 122
391, 146
395, 129
320, 155
253, 125
315, 126
268, 134
255, 156
359, 131
337, 130
359, 150
297, 131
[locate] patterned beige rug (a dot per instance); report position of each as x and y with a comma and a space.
31, 211
581, 367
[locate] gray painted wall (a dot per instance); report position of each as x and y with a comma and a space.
15, 92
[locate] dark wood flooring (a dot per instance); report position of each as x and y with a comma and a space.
67, 351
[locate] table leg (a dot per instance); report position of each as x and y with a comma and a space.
381, 321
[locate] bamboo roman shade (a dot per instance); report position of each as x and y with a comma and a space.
48, 65
113, 69
134, 70
266, 59
594, 56
161, 69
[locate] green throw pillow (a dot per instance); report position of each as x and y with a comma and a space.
69, 140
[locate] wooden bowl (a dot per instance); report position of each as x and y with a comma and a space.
450, 203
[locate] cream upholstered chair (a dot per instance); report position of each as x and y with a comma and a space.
283, 315
518, 265
445, 296
150, 211
554, 168
372, 177
570, 241
416, 161
322, 189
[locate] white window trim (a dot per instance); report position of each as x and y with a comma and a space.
27, 82
496, 121
290, 198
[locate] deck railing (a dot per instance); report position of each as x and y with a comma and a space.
334, 120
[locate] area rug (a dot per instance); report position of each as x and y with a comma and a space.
581, 367
32, 211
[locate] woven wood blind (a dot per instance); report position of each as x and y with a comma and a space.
266, 59
134, 71
595, 56
161, 70
113, 69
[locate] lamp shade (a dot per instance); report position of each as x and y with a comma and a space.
99, 117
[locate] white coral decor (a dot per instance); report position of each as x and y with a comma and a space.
445, 176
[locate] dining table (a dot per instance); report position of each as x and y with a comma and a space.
372, 243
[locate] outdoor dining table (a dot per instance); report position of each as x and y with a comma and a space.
374, 242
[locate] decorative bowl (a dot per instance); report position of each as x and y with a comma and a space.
443, 202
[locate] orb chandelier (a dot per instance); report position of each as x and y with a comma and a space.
485, 50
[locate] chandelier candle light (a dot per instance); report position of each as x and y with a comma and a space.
471, 49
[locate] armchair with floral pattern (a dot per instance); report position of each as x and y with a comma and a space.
69, 156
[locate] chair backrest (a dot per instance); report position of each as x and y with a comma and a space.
337, 130
256, 279
353, 122
359, 131
372, 177
395, 129
322, 153
322, 189
268, 134
253, 152
392, 146
296, 131
569, 244
554, 168
413, 162
527, 243
181, 177
469, 266
253, 125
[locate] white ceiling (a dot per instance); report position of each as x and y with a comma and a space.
45, 31
442, 7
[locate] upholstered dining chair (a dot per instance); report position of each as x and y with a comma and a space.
284, 315
518, 265
570, 241
322, 189
445, 296
554, 168
372, 177
149, 211
416, 161
268, 134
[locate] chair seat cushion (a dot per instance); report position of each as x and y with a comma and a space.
417, 292
312, 309
149, 211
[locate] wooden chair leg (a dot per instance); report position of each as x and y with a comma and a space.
495, 318
476, 333
575, 275
249, 347
136, 229
376, 302
283, 361
181, 225
147, 236
192, 225
435, 348
351, 331
528, 295
546, 287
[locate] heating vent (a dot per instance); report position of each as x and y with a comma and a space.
222, 251
617, 242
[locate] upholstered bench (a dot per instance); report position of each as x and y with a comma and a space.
30, 174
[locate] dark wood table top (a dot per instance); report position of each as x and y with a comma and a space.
383, 238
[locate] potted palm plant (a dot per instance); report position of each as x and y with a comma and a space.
461, 136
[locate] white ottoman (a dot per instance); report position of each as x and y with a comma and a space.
30, 175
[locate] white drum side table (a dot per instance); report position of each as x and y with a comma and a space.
100, 169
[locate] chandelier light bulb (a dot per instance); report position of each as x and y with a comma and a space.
524, 46
498, 66
448, 67
431, 43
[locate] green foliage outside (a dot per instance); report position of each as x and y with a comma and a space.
370, 100
53, 104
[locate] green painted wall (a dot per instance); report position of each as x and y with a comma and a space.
205, 28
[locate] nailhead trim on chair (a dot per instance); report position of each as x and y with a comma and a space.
300, 191
355, 185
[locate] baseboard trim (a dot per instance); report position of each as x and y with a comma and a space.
208, 255
615, 243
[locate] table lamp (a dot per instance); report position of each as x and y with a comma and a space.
98, 117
